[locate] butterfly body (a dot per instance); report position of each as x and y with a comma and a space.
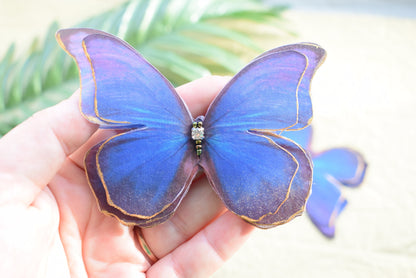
258, 174
197, 134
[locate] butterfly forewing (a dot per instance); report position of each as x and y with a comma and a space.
71, 41
129, 89
315, 56
263, 95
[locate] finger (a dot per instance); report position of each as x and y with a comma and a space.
206, 251
199, 94
199, 207
34, 151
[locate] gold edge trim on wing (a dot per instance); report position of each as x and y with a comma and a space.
87, 55
225, 88
297, 99
297, 88
62, 45
321, 61
127, 223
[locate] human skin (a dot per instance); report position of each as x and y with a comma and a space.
50, 223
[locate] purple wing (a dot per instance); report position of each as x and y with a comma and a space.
119, 87
71, 41
263, 95
316, 56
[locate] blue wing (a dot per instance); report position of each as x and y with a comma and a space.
119, 87
261, 96
255, 174
100, 194
240, 171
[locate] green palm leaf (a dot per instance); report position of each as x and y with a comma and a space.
184, 39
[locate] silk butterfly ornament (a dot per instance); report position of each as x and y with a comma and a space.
141, 174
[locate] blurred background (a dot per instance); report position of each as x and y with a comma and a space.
364, 97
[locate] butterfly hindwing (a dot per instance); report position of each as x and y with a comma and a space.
239, 168
98, 188
300, 186
141, 179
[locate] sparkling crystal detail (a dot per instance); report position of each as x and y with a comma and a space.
197, 133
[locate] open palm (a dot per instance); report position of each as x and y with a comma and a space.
50, 223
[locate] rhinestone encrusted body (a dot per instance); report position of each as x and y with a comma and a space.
197, 134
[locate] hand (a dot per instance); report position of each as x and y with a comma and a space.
50, 223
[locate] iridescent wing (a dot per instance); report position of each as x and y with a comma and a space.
138, 193
315, 56
118, 86
299, 189
141, 175
259, 175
